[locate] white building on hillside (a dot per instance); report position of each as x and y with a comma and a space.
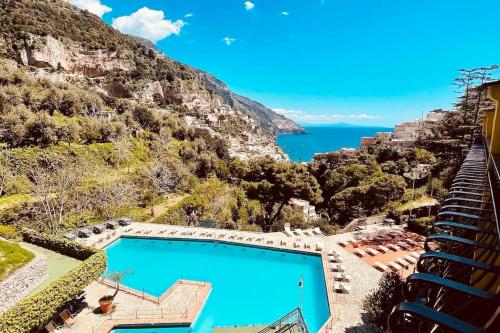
308, 210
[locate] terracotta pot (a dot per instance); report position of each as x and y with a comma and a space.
106, 304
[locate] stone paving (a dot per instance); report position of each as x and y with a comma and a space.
182, 304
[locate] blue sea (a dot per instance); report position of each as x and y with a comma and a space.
322, 139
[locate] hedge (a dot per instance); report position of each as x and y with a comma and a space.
58, 244
34, 311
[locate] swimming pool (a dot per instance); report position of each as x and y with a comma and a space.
158, 329
250, 285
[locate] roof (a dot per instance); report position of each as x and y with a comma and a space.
491, 83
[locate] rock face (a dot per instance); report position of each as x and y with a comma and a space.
48, 52
271, 121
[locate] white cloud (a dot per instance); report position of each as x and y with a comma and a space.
285, 13
249, 5
228, 40
148, 23
189, 15
307, 118
93, 6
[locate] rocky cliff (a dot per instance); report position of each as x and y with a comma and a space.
54, 39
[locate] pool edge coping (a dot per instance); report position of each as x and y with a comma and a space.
328, 278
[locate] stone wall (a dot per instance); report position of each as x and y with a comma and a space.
23, 282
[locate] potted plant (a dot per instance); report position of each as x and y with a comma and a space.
106, 302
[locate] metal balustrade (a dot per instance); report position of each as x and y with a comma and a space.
456, 284
291, 322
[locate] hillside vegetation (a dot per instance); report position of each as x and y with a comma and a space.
94, 125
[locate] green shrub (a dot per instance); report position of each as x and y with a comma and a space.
9, 232
58, 244
421, 225
379, 303
33, 312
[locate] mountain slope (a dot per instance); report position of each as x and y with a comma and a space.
268, 119
55, 39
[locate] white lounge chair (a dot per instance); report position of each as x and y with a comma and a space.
381, 267
395, 265
333, 253
372, 252
345, 288
404, 245
346, 277
403, 263
288, 232
410, 259
297, 244
394, 247
360, 252
319, 246
317, 231
337, 267
341, 288
335, 259
414, 255
383, 249
298, 232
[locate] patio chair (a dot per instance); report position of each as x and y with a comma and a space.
308, 232
288, 232
298, 232
67, 317
317, 231
52, 327
381, 267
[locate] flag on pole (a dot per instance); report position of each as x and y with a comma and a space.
301, 282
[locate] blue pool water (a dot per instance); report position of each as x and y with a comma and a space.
322, 139
153, 330
250, 285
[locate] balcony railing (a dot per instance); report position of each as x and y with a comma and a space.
456, 283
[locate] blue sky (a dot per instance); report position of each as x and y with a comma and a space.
375, 62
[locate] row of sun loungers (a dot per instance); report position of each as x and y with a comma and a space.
341, 288
299, 232
247, 237
400, 263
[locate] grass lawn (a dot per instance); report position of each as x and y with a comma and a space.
424, 201
12, 257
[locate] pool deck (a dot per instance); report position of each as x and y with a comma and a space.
345, 309
180, 304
